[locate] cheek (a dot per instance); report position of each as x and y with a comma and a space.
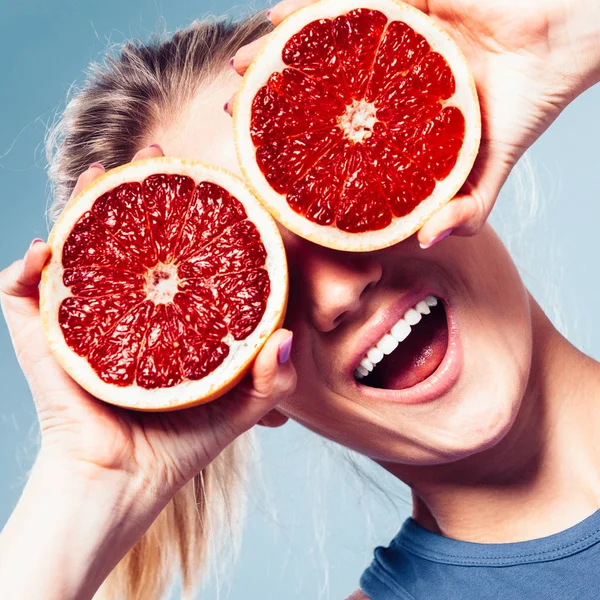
494, 322
489, 401
493, 315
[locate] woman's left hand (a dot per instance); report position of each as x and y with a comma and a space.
529, 61
156, 452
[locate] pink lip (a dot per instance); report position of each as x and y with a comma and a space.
440, 381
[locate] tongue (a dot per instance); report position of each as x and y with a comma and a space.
417, 357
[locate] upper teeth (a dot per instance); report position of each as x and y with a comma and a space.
398, 333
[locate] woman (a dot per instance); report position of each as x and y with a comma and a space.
498, 446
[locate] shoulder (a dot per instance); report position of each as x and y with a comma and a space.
358, 595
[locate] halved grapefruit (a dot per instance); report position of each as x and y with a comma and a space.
167, 276
357, 121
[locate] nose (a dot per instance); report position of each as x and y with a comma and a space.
337, 284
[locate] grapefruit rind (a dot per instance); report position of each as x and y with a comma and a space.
269, 60
236, 364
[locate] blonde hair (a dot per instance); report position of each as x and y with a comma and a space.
107, 121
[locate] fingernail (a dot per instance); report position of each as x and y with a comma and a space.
269, 15
437, 239
285, 348
225, 107
157, 146
97, 166
231, 62
36, 241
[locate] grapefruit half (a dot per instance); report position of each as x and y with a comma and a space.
167, 276
356, 122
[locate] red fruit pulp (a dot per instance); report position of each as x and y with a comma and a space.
355, 130
162, 273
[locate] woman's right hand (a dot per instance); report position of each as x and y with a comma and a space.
160, 451
529, 60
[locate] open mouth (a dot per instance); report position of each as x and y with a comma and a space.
410, 352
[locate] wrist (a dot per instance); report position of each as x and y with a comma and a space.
71, 528
579, 23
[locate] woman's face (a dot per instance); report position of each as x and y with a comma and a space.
451, 388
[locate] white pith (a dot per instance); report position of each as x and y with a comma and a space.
358, 120
161, 283
269, 61
53, 291
395, 336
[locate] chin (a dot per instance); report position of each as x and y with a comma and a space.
480, 423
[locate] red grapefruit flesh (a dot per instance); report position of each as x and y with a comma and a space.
167, 276
356, 122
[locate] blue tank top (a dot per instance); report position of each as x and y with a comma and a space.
420, 565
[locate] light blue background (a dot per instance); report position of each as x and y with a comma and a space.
312, 528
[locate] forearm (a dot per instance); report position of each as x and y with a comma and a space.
68, 532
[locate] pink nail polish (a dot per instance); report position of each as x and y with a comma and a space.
231, 62
285, 348
226, 106
97, 165
157, 146
269, 15
35, 241
437, 239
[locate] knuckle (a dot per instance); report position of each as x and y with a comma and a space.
9, 277
475, 214
290, 382
284, 385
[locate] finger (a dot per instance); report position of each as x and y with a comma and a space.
272, 372
92, 172
272, 379
285, 8
22, 278
468, 211
152, 151
230, 104
245, 55
463, 215
273, 419
20, 304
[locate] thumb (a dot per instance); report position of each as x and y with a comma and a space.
467, 213
19, 295
271, 380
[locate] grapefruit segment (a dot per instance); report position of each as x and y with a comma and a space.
101, 248
237, 249
158, 365
312, 51
276, 116
363, 205
340, 95
313, 93
356, 36
102, 281
286, 160
168, 200
316, 194
212, 210
400, 49
166, 278
240, 298
113, 354
122, 213
197, 311
84, 319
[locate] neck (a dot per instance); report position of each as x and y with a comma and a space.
543, 476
